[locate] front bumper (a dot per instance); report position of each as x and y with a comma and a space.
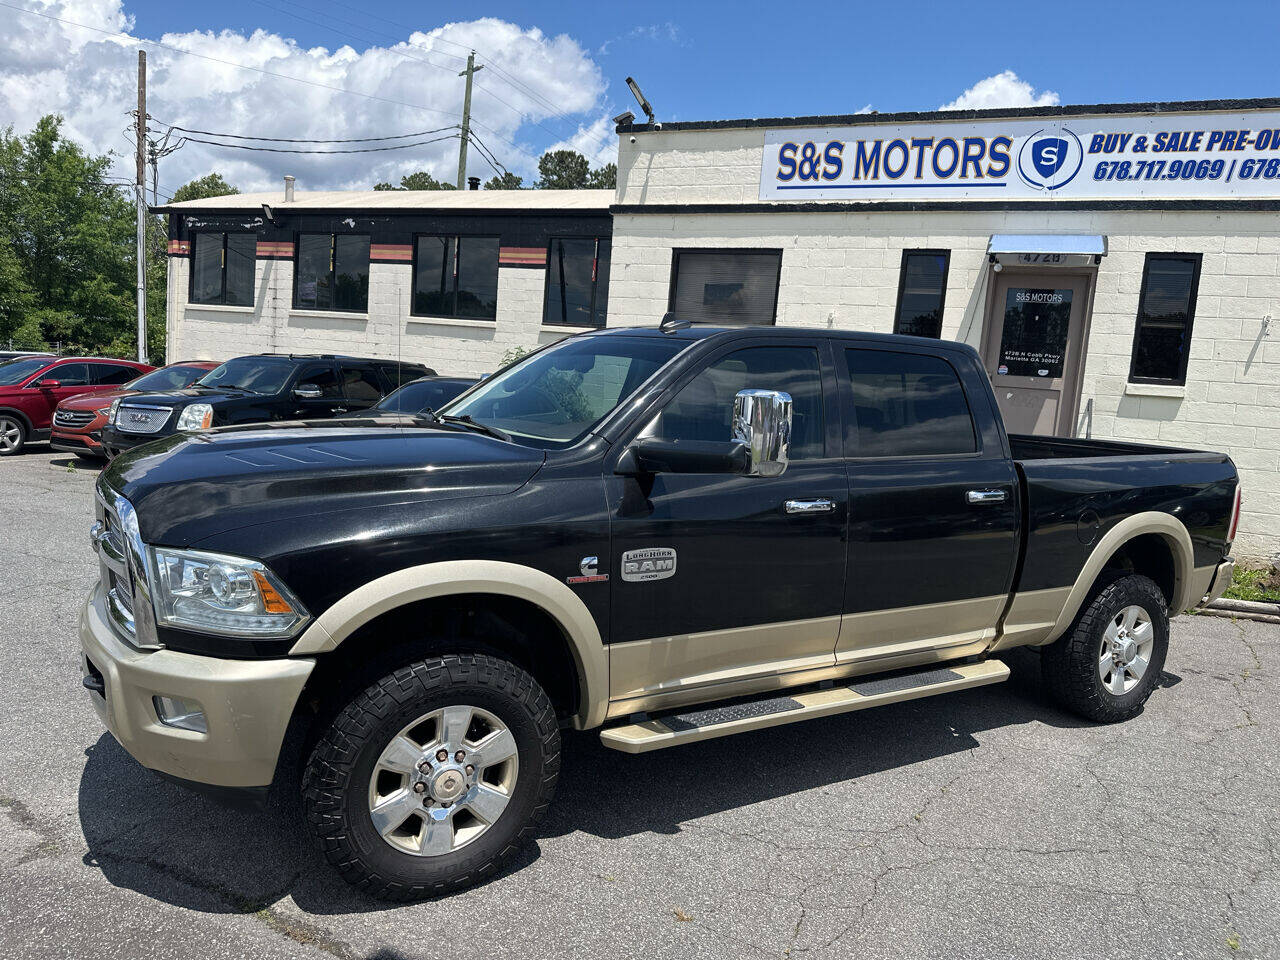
89, 443
247, 704
116, 442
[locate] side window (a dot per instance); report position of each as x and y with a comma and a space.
703, 409
906, 405
69, 375
922, 288
361, 384
725, 286
113, 374
323, 377
1166, 309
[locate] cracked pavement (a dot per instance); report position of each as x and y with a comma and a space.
980, 824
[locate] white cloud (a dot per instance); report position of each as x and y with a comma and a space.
89, 77
1004, 89
595, 142
667, 31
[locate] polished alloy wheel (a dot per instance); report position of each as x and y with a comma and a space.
1126, 649
10, 435
443, 780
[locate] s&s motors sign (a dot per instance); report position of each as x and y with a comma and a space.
1182, 155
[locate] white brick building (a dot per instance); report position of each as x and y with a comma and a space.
925, 252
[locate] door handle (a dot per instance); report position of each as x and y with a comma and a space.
809, 506
987, 496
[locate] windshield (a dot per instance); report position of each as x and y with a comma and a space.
15, 371
263, 375
417, 397
166, 378
555, 396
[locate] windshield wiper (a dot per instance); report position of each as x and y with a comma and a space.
466, 420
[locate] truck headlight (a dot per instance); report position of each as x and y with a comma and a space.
113, 410
198, 416
215, 593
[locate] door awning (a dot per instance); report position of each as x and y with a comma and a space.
1070, 244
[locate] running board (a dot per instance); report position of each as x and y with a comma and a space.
674, 729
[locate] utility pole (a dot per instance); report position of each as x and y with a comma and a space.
466, 120
140, 136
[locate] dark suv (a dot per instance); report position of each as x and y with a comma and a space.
256, 389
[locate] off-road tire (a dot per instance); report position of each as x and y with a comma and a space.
1069, 666
335, 783
11, 426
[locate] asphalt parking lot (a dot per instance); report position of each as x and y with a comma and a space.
980, 824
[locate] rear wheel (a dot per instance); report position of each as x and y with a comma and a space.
13, 435
433, 776
1106, 666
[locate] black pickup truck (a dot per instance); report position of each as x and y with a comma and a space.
667, 534
255, 389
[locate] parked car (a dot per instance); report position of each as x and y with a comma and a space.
78, 422
255, 389
32, 387
666, 535
422, 395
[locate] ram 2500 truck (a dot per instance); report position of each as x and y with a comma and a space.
667, 535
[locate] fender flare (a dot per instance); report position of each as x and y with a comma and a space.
448, 578
1139, 524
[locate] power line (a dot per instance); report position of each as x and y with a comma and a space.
242, 136
245, 146
514, 81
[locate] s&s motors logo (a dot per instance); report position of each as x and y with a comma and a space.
1050, 159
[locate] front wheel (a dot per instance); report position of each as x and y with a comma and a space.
13, 435
1106, 666
433, 776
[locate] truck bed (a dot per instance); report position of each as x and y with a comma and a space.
1076, 490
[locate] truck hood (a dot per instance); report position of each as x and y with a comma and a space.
93, 401
191, 486
189, 395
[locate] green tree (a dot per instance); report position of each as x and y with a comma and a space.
210, 185
505, 181
603, 178
69, 243
562, 170
421, 180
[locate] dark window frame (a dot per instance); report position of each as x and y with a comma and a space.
413, 277
333, 268
902, 283
595, 282
1197, 260
676, 253
222, 295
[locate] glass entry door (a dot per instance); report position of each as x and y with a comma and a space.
1033, 349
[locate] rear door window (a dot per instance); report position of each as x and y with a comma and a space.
361, 384
906, 405
112, 374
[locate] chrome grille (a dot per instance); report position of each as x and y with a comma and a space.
121, 557
73, 418
141, 419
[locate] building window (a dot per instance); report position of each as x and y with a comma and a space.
922, 291
725, 286
222, 267
456, 277
332, 272
1166, 308
577, 282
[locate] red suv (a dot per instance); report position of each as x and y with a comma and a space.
32, 387
78, 422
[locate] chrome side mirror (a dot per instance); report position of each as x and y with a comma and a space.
762, 420
307, 391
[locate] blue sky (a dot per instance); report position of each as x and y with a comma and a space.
555, 72
702, 60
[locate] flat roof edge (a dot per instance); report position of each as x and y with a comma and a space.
1000, 113
1246, 205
